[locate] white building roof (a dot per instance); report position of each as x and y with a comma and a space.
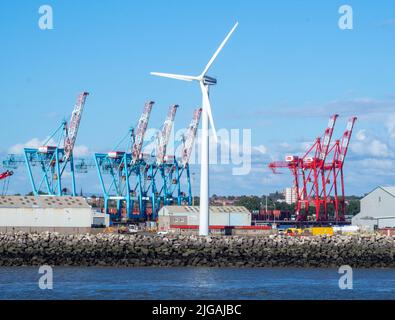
195, 209
42, 202
390, 190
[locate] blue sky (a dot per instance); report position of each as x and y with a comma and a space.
285, 70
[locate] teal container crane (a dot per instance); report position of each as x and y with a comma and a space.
125, 171
47, 164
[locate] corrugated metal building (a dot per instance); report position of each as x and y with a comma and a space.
47, 213
189, 216
377, 210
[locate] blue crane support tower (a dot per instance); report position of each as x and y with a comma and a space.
125, 170
160, 165
175, 173
55, 156
182, 165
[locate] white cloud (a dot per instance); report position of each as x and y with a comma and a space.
33, 143
376, 164
361, 135
79, 150
366, 145
390, 124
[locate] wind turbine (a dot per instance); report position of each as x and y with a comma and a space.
205, 82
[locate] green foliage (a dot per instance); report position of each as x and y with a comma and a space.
250, 202
254, 203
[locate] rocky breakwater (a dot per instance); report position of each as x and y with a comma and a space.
144, 250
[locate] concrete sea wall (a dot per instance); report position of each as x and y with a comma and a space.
145, 250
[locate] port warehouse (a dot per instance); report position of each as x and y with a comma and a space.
57, 214
189, 215
377, 210
224, 220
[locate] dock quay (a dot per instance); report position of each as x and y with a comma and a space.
362, 251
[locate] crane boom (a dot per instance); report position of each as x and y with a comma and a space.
278, 164
326, 140
164, 135
6, 174
140, 132
74, 125
190, 136
346, 140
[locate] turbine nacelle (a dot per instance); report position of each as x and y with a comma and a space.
209, 81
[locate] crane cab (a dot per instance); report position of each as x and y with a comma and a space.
115, 154
47, 149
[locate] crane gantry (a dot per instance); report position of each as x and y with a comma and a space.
150, 180
315, 179
5, 176
47, 164
164, 165
125, 169
175, 171
183, 170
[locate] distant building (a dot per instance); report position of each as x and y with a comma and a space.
277, 196
290, 195
187, 217
47, 213
377, 209
222, 201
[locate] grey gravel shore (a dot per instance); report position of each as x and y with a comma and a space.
362, 251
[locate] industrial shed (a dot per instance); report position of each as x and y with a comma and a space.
225, 216
377, 210
45, 213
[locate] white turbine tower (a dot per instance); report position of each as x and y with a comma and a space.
205, 82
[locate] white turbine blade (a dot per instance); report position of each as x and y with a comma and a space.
174, 76
219, 49
207, 107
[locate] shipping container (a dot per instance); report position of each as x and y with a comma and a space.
317, 231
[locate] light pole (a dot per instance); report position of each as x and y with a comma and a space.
192, 187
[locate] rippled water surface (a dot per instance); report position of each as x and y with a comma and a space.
195, 283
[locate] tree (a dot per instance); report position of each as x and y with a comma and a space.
252, 203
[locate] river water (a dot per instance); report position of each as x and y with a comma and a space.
195, 283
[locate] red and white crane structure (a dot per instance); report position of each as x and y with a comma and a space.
190, 136
164, 135
52, 160
312, 174
175, 172
74, 125
183, 168
312, 171
164, 164
6, 174
125, 169
3, 176
334, 174
140, 132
